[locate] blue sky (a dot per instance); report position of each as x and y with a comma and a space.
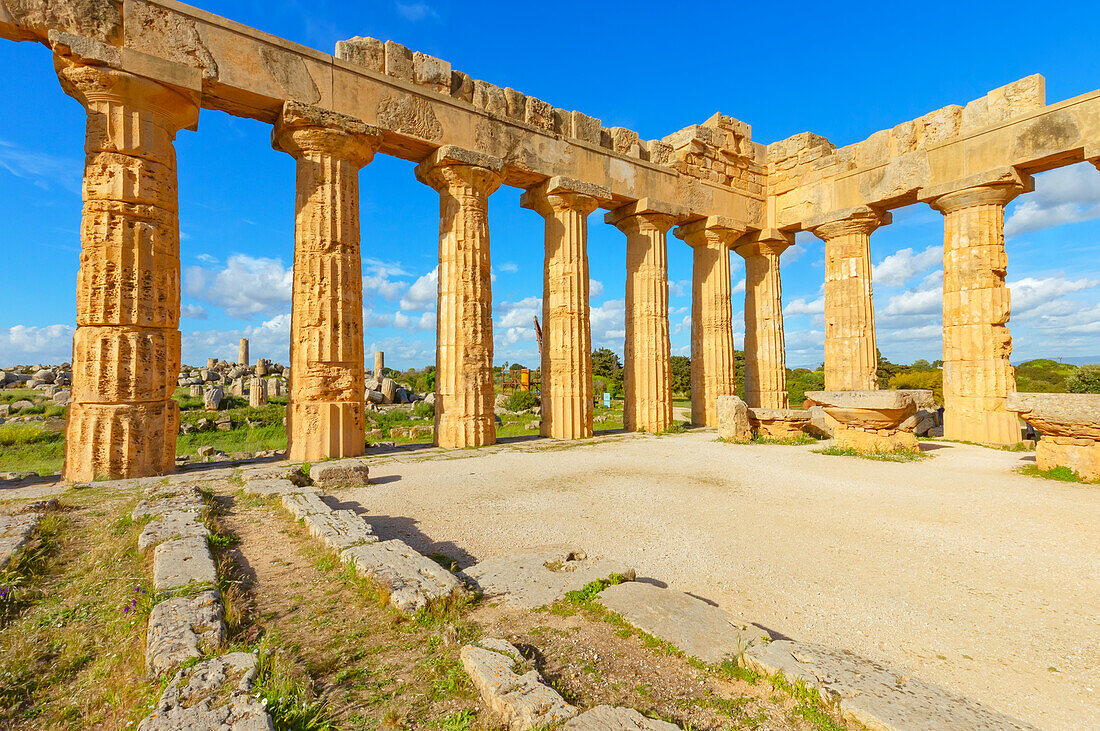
842, 70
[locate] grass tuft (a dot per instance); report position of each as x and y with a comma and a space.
903, 456
1060, 473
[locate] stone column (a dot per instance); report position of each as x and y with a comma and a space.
712, 361
977, 375
851, 360
122, 420
327, 384
242, 352
379, 363
648, 378
566, 329
765, 357
464, 322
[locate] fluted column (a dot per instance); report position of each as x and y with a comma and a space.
851, 360
566, 378
122, 420
325, 411
977, 374
464, 324
712, 360
765, 356
648, 377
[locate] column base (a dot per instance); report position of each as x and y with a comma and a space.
983, 427
324, 430
1080, 455
462, 432
120, 441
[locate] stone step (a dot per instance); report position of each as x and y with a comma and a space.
339, 529
412, 580
162, 500
540, 576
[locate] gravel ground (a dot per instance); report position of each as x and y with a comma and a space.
956, 568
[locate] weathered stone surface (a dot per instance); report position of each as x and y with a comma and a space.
339, 529
517, 702
97, 19
214, 694
541, 576
607, 718
779, 423
699, 629
171, 525
14, 532
733, 419
885, 400
412, 580
1081, 456
163, 500
871, 693
181, 628
1059, 414
274, 486
181, 562
339, 473
212, 398
765, 354
370, 53
301, 504
870, 421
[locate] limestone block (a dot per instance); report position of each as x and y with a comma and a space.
608, 718
389, 391
432, 72
370, 53
178, 563
15, 530
585, 128
874, 441
516, 104
412, 580
173, 524
214, 694
623, 140
1025, 95
462, 86
212, 398
162, 501
539, 114
490, 98
340, 473
733, 419
779, 423
871, 693
181, 628
195, 391
301, 504
699, 629
113, 440
339, 529
257, 393
1059, 414
541, 576
517, 702
871, 421
273, 486
97, 19
399, 61
1080, 455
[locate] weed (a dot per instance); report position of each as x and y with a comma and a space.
288, 697
902, 456
1060, 473
800, 440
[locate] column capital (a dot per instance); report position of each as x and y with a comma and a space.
645, 214
856, 220
710, 232
450, 167
303, 128
994, 187
93, 85
769, 242
564, 194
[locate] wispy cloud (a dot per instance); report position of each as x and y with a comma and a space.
416, 12
42, 169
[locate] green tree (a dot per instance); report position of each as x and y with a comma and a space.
921, 365
1085, 379
931, 380
516, 367
886, 369
605, 362
681, 374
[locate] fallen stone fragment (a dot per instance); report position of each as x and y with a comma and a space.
301, 504
214, 694
699, 629
606, 718
162, 500
733, 419
541, 576
181, 562
412, 580
871, 693
339, 529
178, 524
339, 473
179, 629
15, 530
517, 702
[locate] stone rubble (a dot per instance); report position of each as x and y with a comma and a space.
517, 701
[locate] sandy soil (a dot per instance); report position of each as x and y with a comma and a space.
957, 568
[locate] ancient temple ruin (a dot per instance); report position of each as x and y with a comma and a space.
144, 68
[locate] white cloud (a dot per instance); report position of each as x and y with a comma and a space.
681, 288
1032, 292
801, 307
193, 312
247, 285
739, 287
29, 345
207, 259
424, 321
515, 321
269, 339
595, 288
609, 325
423, 293
379, 279
415, 12
925, 301
42, 169
1065, 195
905, 264
509, 267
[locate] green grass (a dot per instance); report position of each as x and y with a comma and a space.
289, 699
244, 439
903, 456
29, 448
798, 441
1060, 473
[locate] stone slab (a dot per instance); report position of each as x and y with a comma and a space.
517, 702
699, 629
339, 529
607, 718
541, 576
180, 628
278, 471
301, 504
177, 524
868, 399
181, 562
162, 500
1059, 414
338, 473
873, 694
274, 486
15, 530
214, 694
412, 580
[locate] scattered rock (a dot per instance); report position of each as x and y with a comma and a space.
541, 576
21, 405
212, 397
61, 398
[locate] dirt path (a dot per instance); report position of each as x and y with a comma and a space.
968, 574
